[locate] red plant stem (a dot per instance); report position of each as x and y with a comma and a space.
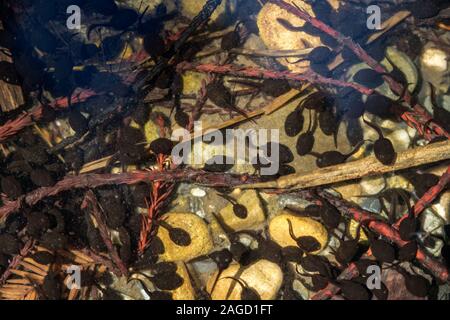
428, 197
91, 200
251, 72
159, 194
199, 103
93, 180
11, 127
364, 56
29, 245
382, 228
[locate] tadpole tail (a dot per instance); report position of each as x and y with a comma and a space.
291, 231
357, 147
374, 127
289, 25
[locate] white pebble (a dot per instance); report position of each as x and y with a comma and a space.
198, 192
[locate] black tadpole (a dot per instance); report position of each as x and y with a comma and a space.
383, 147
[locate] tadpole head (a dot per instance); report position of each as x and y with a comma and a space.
384, 151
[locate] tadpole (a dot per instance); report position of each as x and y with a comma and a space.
293, 124
247, 292
382, 250
369, 78
383, 147
348, 248
353, 290
161, 146
11, 186
330, 216
239, 210
222, 97
222, 258
408, 251
179, 236
331, 158
415, 284
154, 45
320, 54
305, 142
306, 243
328, 122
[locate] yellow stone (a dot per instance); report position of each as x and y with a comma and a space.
255, 213
301, 227
263, 276
201, 240
192, 82
352, 230
276, 37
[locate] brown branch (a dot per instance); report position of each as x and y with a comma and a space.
251, 72
90, 200
11, 127
380, 227
428, 197
29, 245
92, 180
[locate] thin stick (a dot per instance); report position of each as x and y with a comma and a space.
368, 166
96, 180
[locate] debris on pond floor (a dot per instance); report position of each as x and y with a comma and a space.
224, 149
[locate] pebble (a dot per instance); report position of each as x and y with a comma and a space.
263, 276
302, 227
278, 37
201, 240
372, 185
400, 139
434, 67
255, 213
198, 192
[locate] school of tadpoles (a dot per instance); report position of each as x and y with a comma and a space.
92, 84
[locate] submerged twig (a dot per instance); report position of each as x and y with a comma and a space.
368, 166
251, 72
90, 200
428, 197
383, 228
96, 180
11, 127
